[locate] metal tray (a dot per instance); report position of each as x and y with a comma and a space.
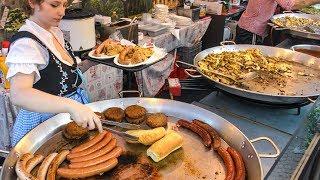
110, 62
193, 161
296, 32
153, 29
308, 89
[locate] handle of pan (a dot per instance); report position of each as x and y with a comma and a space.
276, 27
264, 155
223, 43
184, 63
286, 12
129, 91
191, 75
311, 100
4, 152
187, 71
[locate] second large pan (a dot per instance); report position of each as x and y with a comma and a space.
310, 89
304, 33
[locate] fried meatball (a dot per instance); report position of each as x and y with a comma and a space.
74, 131
157, 120
135, 114
114, 114
101, 115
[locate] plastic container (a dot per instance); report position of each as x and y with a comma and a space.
153, 29
193, 13
187, 54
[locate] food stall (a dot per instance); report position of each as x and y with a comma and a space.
202, 110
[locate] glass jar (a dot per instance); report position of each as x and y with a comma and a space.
203, 10
114, 17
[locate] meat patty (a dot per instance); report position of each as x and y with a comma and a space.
114, 114
135, 114
157, 120
74, 131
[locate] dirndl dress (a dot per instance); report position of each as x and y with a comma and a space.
57, 79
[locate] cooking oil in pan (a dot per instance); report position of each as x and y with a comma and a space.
192, 161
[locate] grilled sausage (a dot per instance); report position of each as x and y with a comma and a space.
33, 162
21, 167
198, 130
88, 171
90, 143
216, 140
96, 154
92, 149
122, 55
228, 163
43, 169
116, 152
239, 164
100, 48
51, 175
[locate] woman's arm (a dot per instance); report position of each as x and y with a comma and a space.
23, 94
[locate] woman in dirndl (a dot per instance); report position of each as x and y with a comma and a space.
44, 74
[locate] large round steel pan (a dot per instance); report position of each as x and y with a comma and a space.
295, 32
290, 55
232, 135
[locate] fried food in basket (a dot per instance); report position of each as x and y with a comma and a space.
109, 47
135, 55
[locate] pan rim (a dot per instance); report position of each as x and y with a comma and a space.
201, 112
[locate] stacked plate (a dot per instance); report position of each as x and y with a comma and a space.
161, 12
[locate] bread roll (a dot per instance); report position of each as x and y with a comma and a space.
148, 137
162, 148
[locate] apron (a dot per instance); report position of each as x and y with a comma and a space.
57, 79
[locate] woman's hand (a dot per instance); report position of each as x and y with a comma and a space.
84, 116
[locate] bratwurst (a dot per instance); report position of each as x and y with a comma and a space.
103, 151
198, 130
87, 171
93, 148
116, 152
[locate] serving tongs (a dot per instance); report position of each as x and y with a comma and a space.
245, 77
123, 134
122, 125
